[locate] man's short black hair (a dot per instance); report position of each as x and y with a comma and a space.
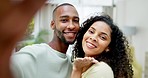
63, 4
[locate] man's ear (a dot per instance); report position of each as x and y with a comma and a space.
52, 24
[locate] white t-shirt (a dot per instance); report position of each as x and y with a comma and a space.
40, 61
99, 70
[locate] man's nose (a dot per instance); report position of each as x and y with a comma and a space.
71, 25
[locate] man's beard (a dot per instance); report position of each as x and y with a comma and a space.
62, 38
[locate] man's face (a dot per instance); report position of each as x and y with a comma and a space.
66, 24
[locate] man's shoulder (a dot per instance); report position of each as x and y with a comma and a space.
29, 54
34, 47
31, 50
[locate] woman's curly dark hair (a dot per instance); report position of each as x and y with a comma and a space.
119, 56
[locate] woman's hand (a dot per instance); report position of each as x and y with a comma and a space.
80, 65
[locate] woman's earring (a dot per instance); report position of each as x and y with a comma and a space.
107, 50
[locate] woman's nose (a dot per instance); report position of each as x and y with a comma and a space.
93, 39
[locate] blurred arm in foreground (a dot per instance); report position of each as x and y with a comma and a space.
15, 16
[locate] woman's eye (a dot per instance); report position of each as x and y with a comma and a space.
90, 31
103, 37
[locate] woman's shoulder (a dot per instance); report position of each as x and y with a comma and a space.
101, 66
100, 69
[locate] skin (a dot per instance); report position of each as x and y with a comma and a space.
95, 41
65, 25
14, 19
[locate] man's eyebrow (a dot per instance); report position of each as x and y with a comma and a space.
76, 17
64, 16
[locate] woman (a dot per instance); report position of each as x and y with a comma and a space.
101, 39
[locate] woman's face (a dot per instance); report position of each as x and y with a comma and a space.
96, 39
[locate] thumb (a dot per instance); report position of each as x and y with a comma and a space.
95, 61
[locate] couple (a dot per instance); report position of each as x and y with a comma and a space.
100, 51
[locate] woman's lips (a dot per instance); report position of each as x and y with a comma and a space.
90, 45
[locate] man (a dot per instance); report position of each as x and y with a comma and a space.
50, 60
14, 19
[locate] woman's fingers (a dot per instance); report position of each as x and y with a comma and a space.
84, 61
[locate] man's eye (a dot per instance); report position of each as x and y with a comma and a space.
64, 20
77, 21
